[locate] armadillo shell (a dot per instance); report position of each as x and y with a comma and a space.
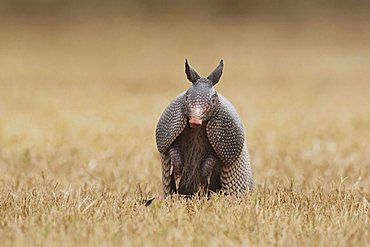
225, 132
171, 124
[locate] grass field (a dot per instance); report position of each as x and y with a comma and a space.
79, 101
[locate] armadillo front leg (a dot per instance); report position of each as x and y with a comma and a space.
177, 162
168, 179
206, 170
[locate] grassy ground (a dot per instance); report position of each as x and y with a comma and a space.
79, 101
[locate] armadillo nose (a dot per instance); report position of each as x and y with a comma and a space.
195, 122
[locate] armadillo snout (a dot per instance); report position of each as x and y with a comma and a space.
195, 122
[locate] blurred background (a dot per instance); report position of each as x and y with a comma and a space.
83, 83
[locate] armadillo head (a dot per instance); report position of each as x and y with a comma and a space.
201, 98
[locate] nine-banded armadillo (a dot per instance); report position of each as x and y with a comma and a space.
200, 138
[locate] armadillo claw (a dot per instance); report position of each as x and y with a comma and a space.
171, 170
204, 185
177, 182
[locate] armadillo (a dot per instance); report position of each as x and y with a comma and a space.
201, 141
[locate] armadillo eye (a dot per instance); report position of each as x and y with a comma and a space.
186, 97
213, 101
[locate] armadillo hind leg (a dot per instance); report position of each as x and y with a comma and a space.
236, 178
168, 178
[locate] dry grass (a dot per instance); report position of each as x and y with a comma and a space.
79, 103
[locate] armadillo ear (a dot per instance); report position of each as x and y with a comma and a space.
214, 77
191, 73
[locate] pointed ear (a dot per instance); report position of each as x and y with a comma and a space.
191, 74
214, 77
